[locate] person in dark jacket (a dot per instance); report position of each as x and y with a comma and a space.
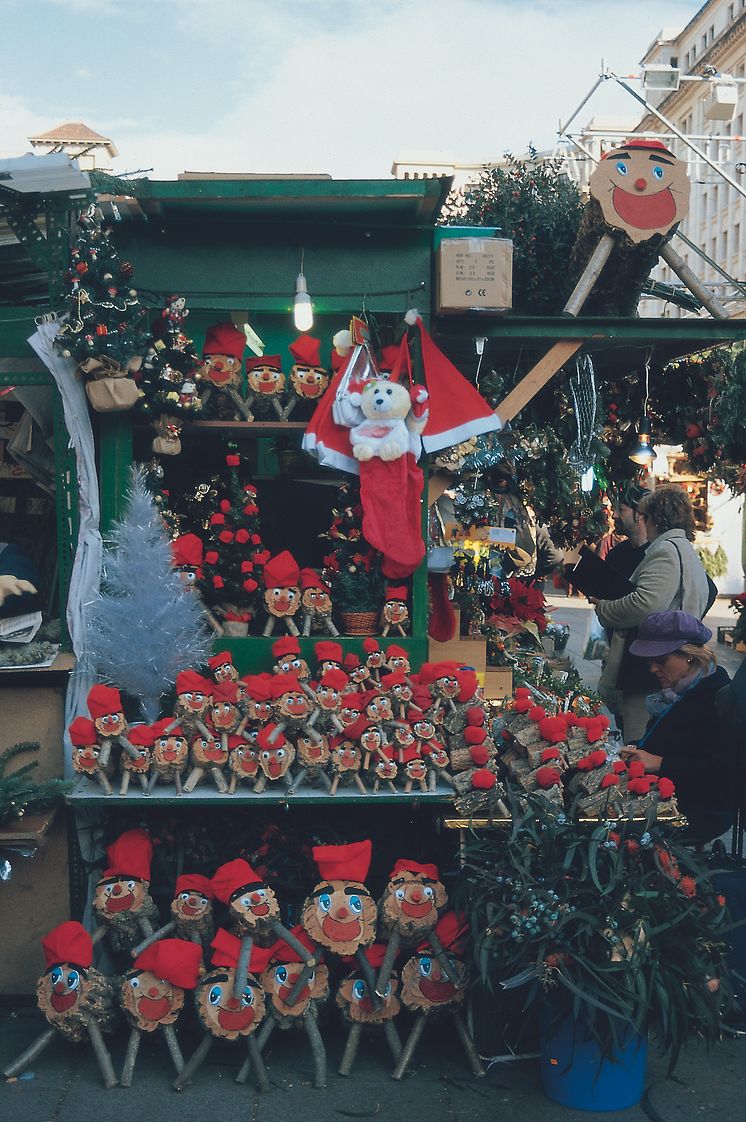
684, 739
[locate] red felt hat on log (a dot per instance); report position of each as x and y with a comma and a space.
281, 571
82, 732
231, 877
224, 339
344, 862
195, 882
187, 550
306, 350
103, 700
177, 961
404, 865
189, 681
130, 856
288, 644
68, 942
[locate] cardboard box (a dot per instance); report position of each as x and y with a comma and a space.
468, 652
498, 683
474, 275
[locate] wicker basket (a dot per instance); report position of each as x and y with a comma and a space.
359, 623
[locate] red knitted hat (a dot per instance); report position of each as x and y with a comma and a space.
68, 942
195, 882
306, 350
130, 856
224, 339
177, 961
189, 681
404, 865
103, 700
280, 951
281, 571
326, 651
309, 578
82, 732
287, 645
232, 876
334, 679
343, 862
223, 658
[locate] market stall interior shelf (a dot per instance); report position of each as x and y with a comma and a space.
84, 794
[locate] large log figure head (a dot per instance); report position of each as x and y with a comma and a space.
71, 990
275, 756
258, 697
152, 992
288, 658
281, 577
218, 1010
191, 907
340, 913
122, 894
354, 998
290, 701
252, 904
222, 668
105, 706
641, 188
412, 900
193, 694
425, 987
282, 972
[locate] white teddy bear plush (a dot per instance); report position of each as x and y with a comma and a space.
392, 421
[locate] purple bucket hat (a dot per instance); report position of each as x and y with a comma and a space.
662, 633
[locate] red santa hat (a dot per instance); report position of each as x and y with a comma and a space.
309, 578
232, 877
343, 862
452, 930
306, 350
103, 700
404, 865
189, 681
274, 362
395, 678
397, 592
288, 644
223, 658
68, 942
129, 856
351, 661
334, 679
224, 339
259, 686
176, 961
227, 948
457, 410
195, 882
281, 571
280, 951
326, 651
187, 551
82, 732
388, 359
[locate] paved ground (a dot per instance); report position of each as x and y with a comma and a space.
64, 1085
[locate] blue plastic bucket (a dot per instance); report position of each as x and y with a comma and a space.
574, 1073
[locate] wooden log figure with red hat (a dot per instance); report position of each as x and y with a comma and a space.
170, 754
309, 380
220, 373
316, 603
254, 911
276, 755
86, 753
107, 712
292, 1006
121, 898
395, 613
375, 658
351, 708
313, 755
385, 769
329, 656
399, 687
358, 672
266, 386
293, 704
226, 718
288, 658
282, 598
243, 761
227, 1011
142, 738
362, 1008
397, 660
193, 694
208, 756
191, 914
222, 668
345, 762
328, 695
408, 910
77, 1000
257, 699
427, 990
152, 996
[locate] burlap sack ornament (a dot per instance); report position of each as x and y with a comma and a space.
168, 431
77, 1000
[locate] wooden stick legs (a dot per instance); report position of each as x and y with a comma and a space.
161, 933
387, 965
130, 1057
348, 1057
255, 1063
101, 1053
242, 966
469, 1047
194, 1063
172, 1043
317, 1047
408, 1051
30, 1054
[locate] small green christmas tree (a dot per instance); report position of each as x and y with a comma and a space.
169, 369
352, 568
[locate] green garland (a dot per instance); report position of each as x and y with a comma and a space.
19, 795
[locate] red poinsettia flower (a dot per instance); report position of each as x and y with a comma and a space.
211, 557
242, 536
226, 536
232, 460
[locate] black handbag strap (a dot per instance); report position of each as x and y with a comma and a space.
681, 576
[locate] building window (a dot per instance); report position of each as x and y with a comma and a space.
694, 51
731, 12
736, 239
724, 251
705, 206
674, 62
712, 33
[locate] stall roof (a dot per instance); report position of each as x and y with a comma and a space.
389, 202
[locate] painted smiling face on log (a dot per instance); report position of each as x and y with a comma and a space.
354, 999
149, 1002
341, 916
61, 991
224, 1015
411, 903
425, 987
278, 982
642, 189
117, 895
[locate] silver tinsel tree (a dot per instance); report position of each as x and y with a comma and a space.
147, 625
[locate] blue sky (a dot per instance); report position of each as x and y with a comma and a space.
338, 86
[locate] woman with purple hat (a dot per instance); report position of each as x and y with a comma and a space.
684, 739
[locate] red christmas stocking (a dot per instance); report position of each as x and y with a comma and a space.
442, 622
390, 491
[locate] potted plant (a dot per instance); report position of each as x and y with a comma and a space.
610, 931
352, 567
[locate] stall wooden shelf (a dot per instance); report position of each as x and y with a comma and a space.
86, 794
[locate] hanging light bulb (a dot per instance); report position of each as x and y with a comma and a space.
643, 452
587, 479
302, 306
